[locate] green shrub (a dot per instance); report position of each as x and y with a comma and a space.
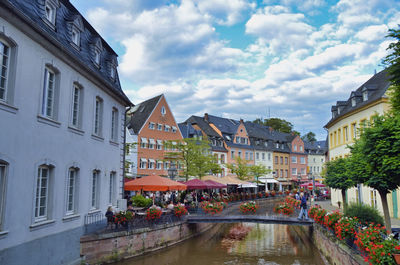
140, 201
364, 213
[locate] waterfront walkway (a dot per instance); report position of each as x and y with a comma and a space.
247, 219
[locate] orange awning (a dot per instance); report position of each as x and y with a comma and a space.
154, 183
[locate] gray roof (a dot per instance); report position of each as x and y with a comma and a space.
32, 12
188, 131
317, 148
140, 113
376, 87
204, 126
225, 125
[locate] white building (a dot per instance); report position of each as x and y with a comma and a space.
61, 140
316, 152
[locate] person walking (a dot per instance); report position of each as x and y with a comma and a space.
303, 207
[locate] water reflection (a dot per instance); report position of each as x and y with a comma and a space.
263, 244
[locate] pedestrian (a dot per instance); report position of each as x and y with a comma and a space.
297, 196
303, 207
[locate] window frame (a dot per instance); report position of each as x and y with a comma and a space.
52, 7
76, 106
98, 117
3, 191
114, 125
7, 67
294, 159
72, 199
95, 190
143, 163
112, 188
38, 216
49, 70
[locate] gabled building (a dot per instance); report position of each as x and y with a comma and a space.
347, 117
316, 152
298, 159
218, 149
62, 113
150, 124
281, 155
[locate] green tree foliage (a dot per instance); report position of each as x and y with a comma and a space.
378, 148
337, 176
258, 171
195, 156
392, 61
240, 168
309, 137
277, 124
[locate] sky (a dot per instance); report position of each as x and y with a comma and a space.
240, 59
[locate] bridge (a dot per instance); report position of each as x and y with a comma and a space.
248, 219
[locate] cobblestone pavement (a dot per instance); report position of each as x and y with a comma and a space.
329, 207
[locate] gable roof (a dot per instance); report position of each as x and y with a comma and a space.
32, 13
141, 112
204, 126
316, 148
188, 131
376, 87
225, 125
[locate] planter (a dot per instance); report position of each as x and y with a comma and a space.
397, 258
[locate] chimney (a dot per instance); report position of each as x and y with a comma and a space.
271, 129
206, 116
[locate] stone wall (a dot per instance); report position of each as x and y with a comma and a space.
335, 252
116, 246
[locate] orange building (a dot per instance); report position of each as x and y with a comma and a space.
150, 124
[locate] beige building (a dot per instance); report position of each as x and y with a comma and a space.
347, 117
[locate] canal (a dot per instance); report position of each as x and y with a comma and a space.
238, 244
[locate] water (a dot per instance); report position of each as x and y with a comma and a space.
263, 244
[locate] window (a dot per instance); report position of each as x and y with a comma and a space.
301, 148
239, 153
152, 125
152, 163
373, 199
247, 156
77, 106
143, 142
277, 173
163, 111
166, 165
263, 156
76, 36
257, 156
173, 129
222, 159
166, 128
277, 145
49, 94
295, 147
143, 163
281, 159
286, 173
114, 125
159, 165
302, 160
269, 156
353, 102
294, 159
72, 193
50, 12
3, 178
159, 127
113, 70
97, 56
95, 199
346, 133
286, 160
294, 171
151, 143
5, 61
303, 171
365, 95
112, 188
42, 194
282, 173
159, 145
238, 139
354, 130
276, 159
339, 141
232, 154
266, 144
98, 116
282, 146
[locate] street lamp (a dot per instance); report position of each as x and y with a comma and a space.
172, 171
311, 177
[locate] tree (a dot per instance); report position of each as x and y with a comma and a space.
259, 170
240, 168
392, 61
279, 124
337, 177
195, 156
379, 149
309, 137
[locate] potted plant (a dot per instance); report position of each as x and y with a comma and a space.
248, 207
180, 210
153, 213
283, 208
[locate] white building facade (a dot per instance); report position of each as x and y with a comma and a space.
62, 113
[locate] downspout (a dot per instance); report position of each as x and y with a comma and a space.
123, 158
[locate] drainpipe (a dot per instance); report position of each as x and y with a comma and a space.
123, 158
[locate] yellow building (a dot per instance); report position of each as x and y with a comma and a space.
347, 117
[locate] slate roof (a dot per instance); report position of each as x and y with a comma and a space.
204, 126
317, 147
32, 12
243, 146
376, 87
188, 131
140, 113
225, 125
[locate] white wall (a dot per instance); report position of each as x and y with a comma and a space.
25, 143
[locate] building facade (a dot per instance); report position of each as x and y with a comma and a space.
298, 159
316, 152
347, 117
151, 124
62, 111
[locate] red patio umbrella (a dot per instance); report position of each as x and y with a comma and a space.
317, 184
196, 184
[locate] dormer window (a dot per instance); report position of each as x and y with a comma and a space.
112, 72
97, 56
97, 47
353, 102
50, 12
76, 36
365, 95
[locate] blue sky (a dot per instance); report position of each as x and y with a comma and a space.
246, 59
